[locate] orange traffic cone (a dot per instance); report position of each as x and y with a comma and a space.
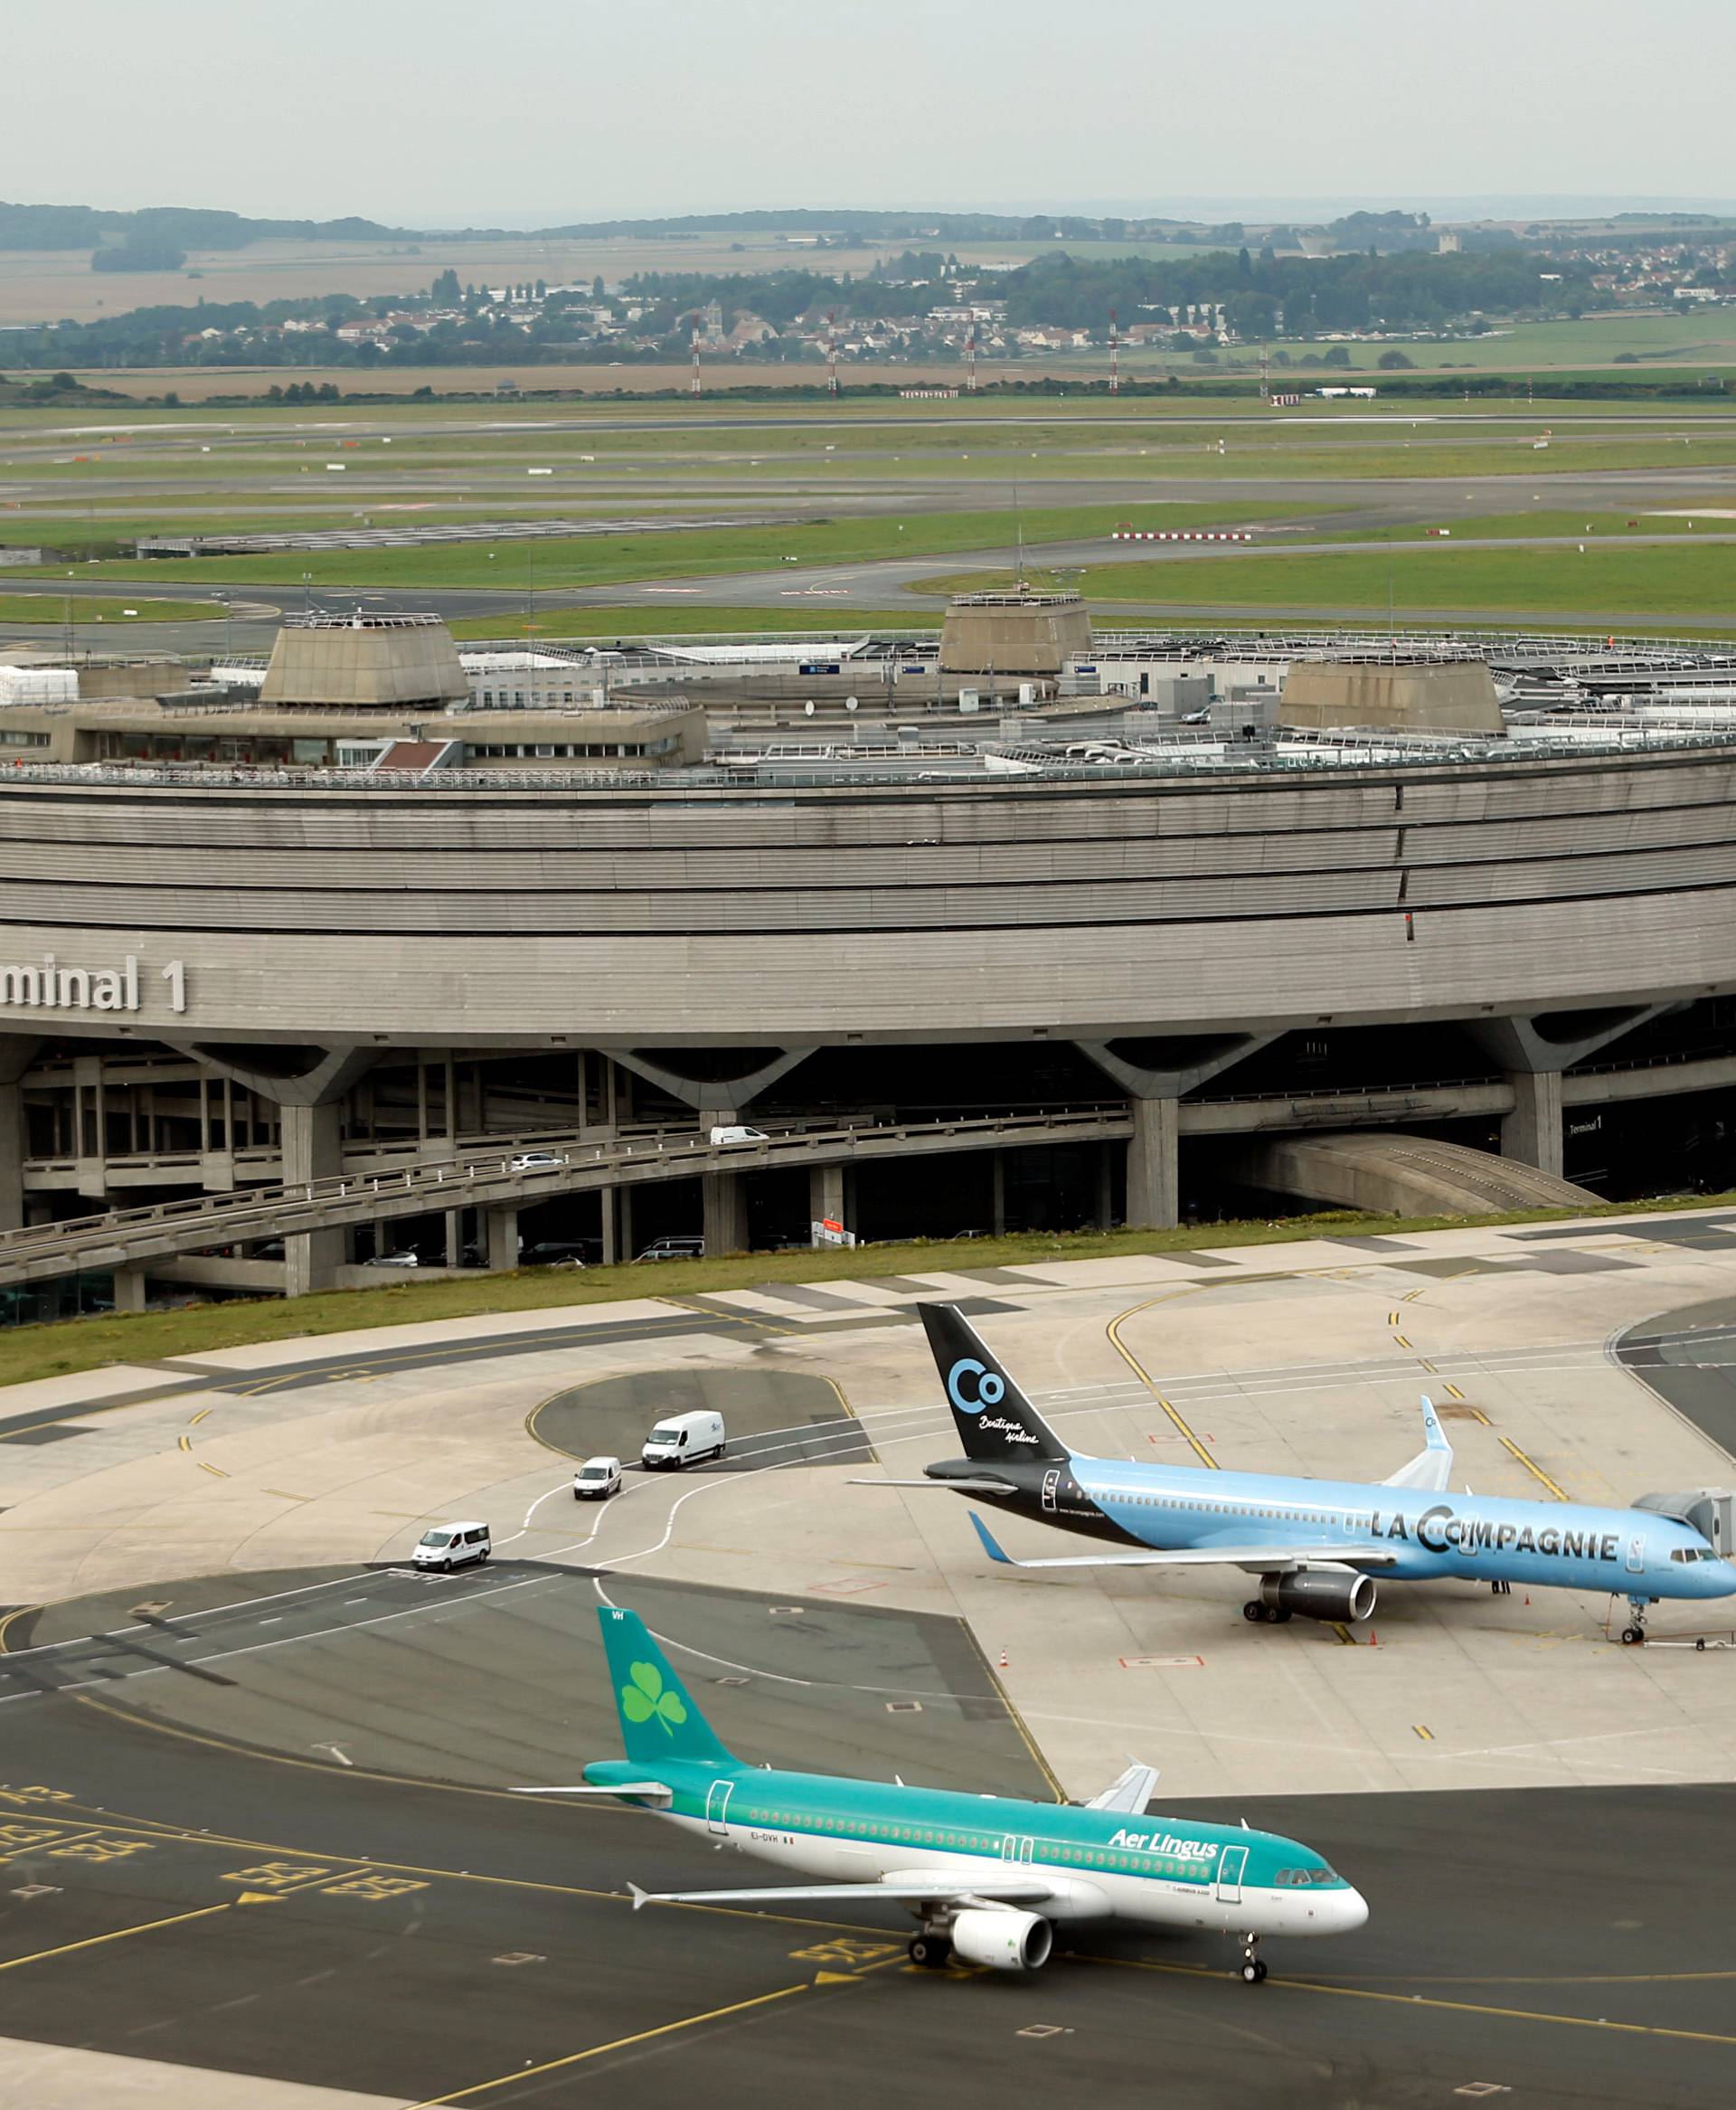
1003, 1659
1373, 1639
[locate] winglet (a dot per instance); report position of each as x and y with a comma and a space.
1432, 1468
990, 1547
639, 1897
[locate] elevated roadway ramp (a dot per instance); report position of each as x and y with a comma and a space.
1403, 1175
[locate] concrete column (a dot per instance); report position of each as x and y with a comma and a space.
1105, 1188
12, 1157
454, 1238
997, 1192
725, 1207
313, 1148
129, 1288
86, 1090
609, 1203
825, 1194
1531, 1132
624, 1205
1153, 1165
502, 1235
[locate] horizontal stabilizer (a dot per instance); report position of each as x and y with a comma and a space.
917, 1885
647, 1791
1130, 1793
1431, 1470
1257, 1558
964, 1487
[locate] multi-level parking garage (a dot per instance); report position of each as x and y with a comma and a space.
1120, 986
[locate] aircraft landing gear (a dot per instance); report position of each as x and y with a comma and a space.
931, 1951
1634, 1635
1254, 1612
1500, 1589
1253, 1968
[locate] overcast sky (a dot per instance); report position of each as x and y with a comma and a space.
423, 112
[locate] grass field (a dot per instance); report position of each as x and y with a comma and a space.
608, 560
50, 608
88, 1344
808, 618
1642, 580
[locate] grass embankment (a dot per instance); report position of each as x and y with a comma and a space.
50, 608
88, 1344
1606, 581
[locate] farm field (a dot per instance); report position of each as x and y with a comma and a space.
1642, 580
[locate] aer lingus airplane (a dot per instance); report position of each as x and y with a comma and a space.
1315, 1545
987, 1877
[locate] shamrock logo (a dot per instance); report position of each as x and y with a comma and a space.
644, 1699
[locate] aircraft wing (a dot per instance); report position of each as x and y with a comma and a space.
1431, 1470
650, 1791
1128, 1795
1257, 1558
915, 1885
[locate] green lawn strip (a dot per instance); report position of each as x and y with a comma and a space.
611, 560
1540, 522
814, 619
88, 1344
1636, 579
50, 608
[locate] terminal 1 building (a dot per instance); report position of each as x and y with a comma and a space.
378, 953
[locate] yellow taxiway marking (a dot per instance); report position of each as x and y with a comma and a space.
524, 2073
1454, 1393
1411, 1296
1144, 1376
1402, 1340
1417, 2000
1532, 1467
185, 1441
19, 1612
1391, 1319
1426, 1734
216, 1472
121, 1934
1428, 1366
195, 1420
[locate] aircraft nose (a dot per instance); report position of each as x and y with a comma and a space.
1350, 1911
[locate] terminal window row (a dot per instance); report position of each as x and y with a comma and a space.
546, 752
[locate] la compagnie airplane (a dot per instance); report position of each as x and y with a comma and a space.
987, 1877
1315, 1545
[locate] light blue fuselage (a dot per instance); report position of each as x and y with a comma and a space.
1635, 1553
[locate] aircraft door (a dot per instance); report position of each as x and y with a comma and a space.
1636, 1555
1051, 1482
717, 1806
1231, 1861
1016, 1853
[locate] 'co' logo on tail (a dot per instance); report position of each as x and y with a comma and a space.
990, 1390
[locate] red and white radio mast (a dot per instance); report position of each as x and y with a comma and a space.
832, 353
692, 386
1115, 354
970, 354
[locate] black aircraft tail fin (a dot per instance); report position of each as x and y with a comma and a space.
994, 1418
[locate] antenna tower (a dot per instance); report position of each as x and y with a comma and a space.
971, 350
831, 351
1115, 354
692, 386
1265, 375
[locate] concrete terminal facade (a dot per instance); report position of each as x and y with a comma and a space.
323, 971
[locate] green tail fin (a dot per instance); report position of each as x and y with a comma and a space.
659, 1720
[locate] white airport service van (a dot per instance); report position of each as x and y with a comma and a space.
453, 1546
738, 1135
596, 1479
683, 1439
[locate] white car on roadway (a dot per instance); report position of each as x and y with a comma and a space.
536, 1161
453, 1546
596, 1479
